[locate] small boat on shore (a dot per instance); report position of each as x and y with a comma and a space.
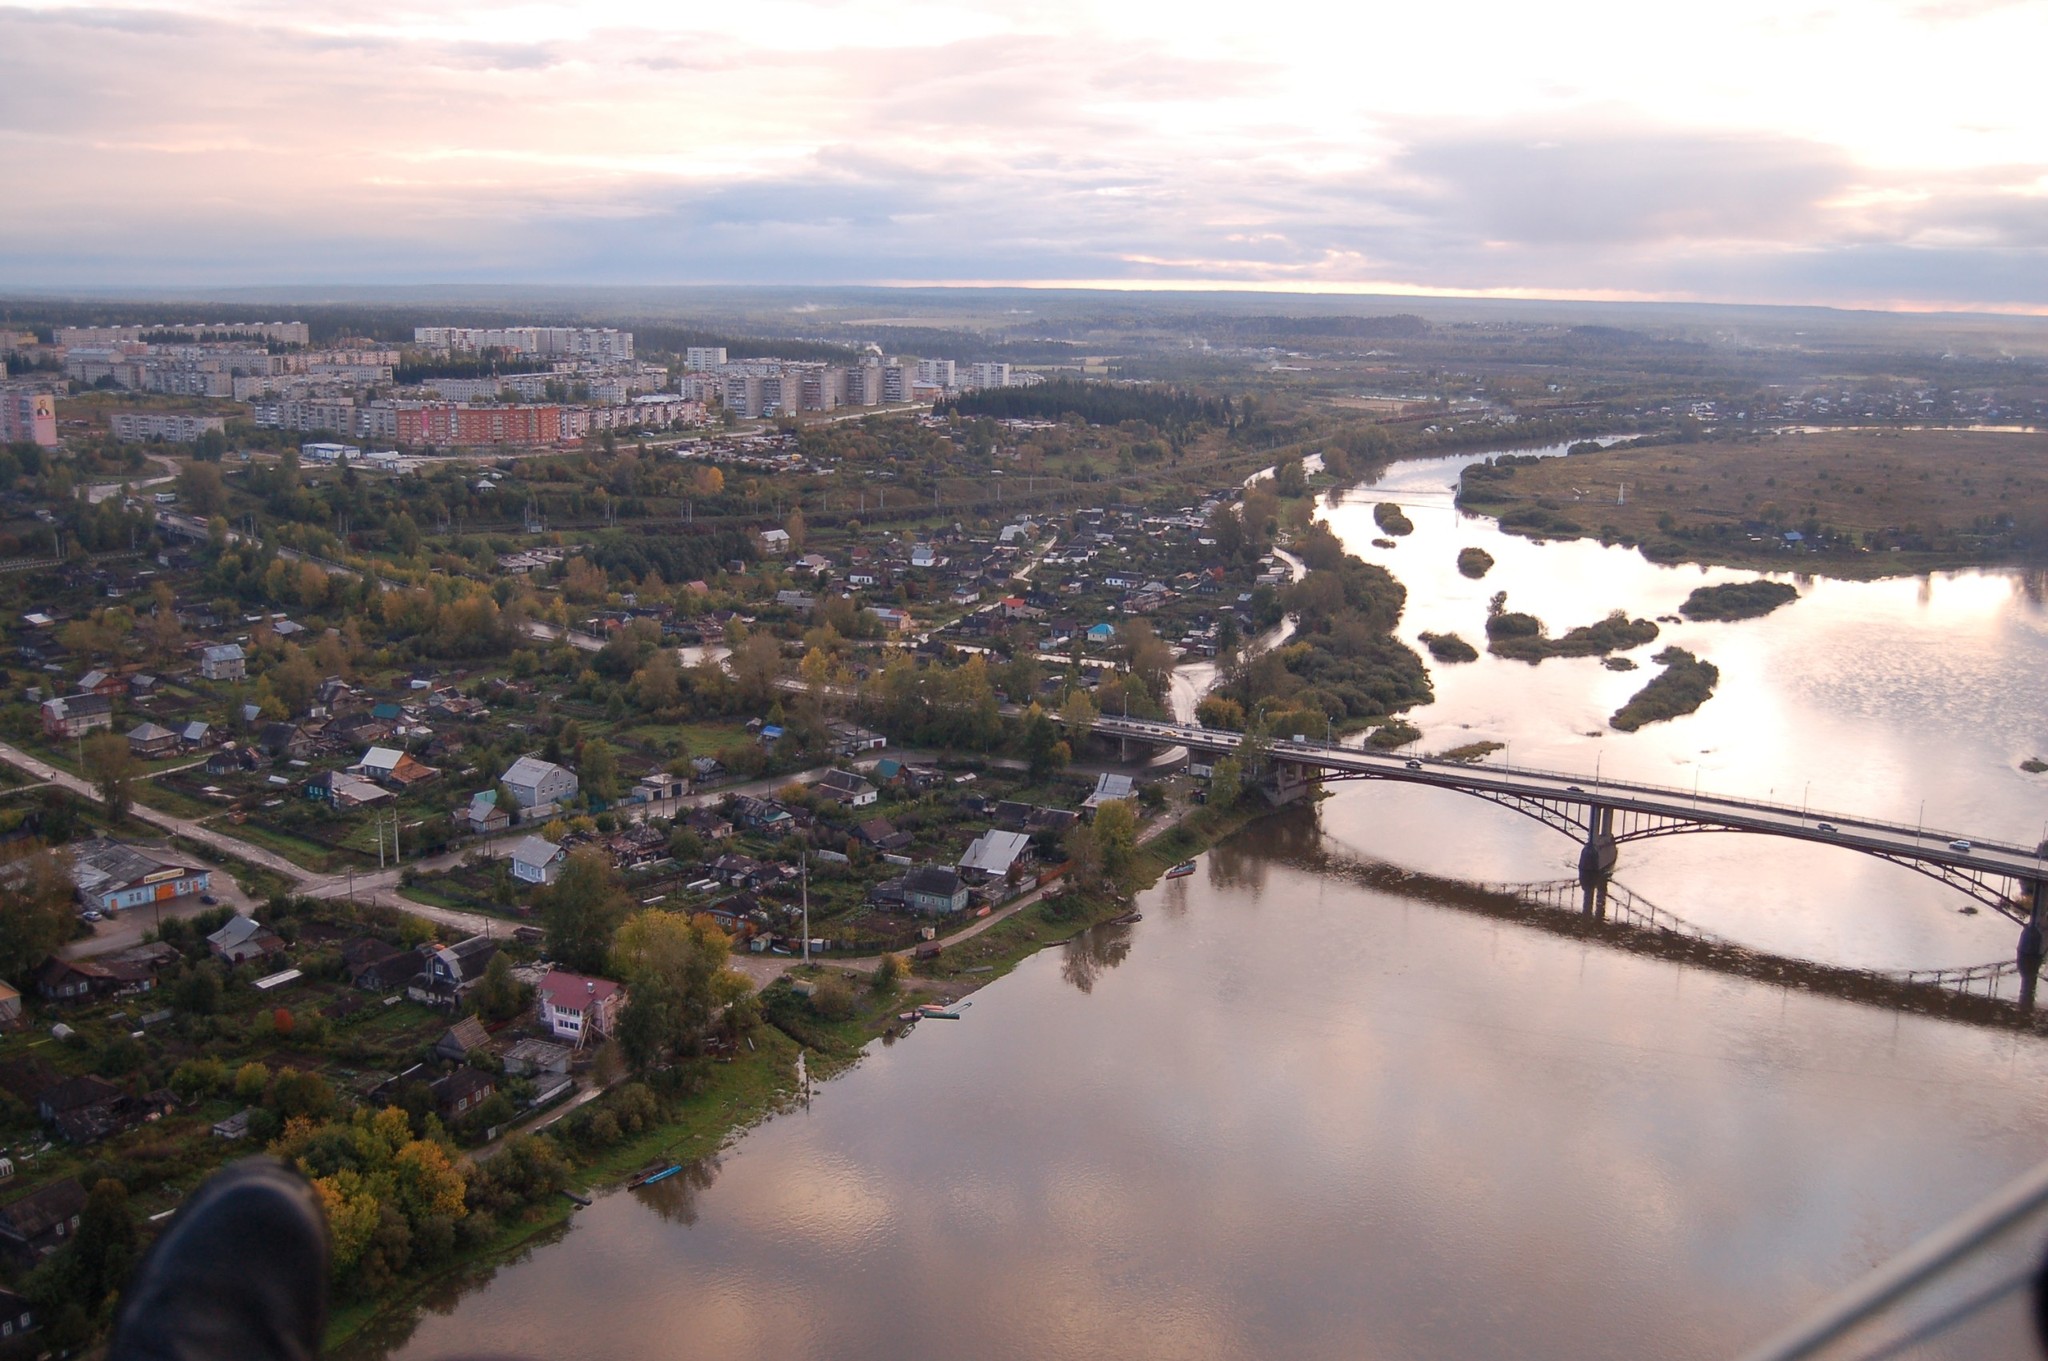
580, 1200
1182, 870
649, 1178
936, 1011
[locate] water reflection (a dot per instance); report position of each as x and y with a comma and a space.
1086, 957
674, 1198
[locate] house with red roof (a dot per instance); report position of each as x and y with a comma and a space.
574, 1006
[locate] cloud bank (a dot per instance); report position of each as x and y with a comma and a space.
1744, 152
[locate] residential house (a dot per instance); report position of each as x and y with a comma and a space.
72, 981
708, 825
150, 741
76, 715
762, 815
376, 965
881, 834
574, 1007
539, 784
707, 772
244, 938
285, 741
343, 790
392, 767
10, 1006
536, 860
849, 738
17, 1316
934, 890
224, 662
483, 816
110, 875
77, 1095
101, 683
457, 1040
994, 853
1107, 788
447, 972
846, 789
197, 733
774, 542
42, 1221
235, 759
460, 1093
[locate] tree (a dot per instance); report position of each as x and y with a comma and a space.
888, 974
794, 527
35, 910
499, 996
582, 908
598, 770
658, 684
1079, 715
106, 1246
1116, 835
202, 489
112, 769
1041, 744
756, 665
250, 1080
675, 969
1226, 780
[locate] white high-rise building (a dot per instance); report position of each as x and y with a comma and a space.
988, 375
938, 372
697, 358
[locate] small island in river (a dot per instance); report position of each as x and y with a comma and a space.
1738, 600
1685, 683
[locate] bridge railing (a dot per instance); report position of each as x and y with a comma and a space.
1696, 796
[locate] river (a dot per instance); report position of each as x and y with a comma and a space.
1293, 1114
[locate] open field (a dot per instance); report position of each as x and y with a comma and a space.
1862, 503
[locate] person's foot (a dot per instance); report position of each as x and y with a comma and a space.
240, 1274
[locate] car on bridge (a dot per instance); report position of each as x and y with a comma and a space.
1414, 764
1959, 845
1827, 827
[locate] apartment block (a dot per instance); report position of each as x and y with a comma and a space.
937, 372
449, 423
698, 358
28, 416
175, 427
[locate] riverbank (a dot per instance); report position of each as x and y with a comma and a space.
761, 1081
1856, 504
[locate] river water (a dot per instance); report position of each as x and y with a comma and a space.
1293, 1113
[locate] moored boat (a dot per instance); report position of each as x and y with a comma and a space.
1182, 870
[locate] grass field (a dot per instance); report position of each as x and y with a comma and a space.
1883, 501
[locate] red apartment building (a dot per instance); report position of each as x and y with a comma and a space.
456, 423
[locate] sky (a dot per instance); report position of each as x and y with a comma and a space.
1881, 153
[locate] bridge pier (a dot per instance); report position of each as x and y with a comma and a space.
2031, 946
1596, 858
1593, 897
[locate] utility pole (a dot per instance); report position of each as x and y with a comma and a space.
806, 881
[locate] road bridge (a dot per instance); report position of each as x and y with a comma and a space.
1603, 814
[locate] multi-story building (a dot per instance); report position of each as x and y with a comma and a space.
452, 423
589, 342
28, 415
897, 380
937, 372
988, 375
275, 332
176, 427
337, 414
698, 358
863, 385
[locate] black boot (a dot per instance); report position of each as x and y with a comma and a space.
240, 1275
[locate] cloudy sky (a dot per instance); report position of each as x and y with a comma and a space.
1868, 152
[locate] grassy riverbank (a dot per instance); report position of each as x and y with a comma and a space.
734, 1097
1856, 503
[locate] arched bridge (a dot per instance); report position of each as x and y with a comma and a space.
2011, 880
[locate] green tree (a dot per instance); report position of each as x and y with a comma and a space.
582, 908
201, 488
1116, 836
1079, 715
675, 968
112, 768
35, 910
250, 1081
499, 996
598, 770
1041, 744
1226, 781
106, 1246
